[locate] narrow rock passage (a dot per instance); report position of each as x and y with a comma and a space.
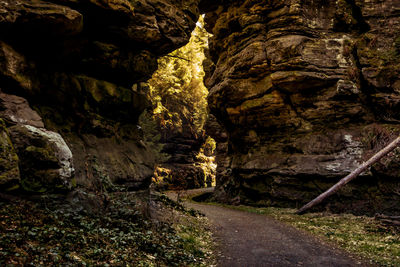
248, 239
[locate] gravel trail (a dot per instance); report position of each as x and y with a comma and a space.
248, 239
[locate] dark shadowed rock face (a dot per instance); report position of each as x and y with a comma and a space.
306, 90
66, 73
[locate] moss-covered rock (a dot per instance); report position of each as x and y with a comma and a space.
45, 159
9, 171
111, 100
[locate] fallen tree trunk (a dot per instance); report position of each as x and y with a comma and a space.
351, 176
382, 216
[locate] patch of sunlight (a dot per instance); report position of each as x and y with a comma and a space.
206, 161
177, 86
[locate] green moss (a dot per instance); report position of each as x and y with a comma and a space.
344, 13
54, 120
12, 188
95, 92
9, 180
125, 95
101, 174
42, 153
397, 44
31, 185
9, 174
73, 182
249, 104
367, 49
105, 92
190, 236
388, 56
105, 88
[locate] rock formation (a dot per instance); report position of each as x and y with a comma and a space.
72, 81
300, 91
305, 90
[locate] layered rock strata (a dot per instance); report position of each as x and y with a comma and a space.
305, 90
72, 81
182, 163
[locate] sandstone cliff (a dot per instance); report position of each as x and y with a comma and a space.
305, 91
72, 81
300, 91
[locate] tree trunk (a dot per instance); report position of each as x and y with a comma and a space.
351, 176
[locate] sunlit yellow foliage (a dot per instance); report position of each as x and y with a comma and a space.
177, 90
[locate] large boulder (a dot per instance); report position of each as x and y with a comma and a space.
45, 159
34, 158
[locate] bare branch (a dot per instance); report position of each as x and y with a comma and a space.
179, 57
351, 176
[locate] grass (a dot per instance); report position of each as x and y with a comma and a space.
359, 235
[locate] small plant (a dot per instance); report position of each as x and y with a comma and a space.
152, 136
53, 232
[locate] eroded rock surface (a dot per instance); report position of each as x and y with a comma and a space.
45, 159
71, 73
10, 175
306, 90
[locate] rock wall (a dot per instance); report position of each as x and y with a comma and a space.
305, 90
182, 162
72, 83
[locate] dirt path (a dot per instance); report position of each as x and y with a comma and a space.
248, 239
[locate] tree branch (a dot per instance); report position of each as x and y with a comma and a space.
351, 176
178, 57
